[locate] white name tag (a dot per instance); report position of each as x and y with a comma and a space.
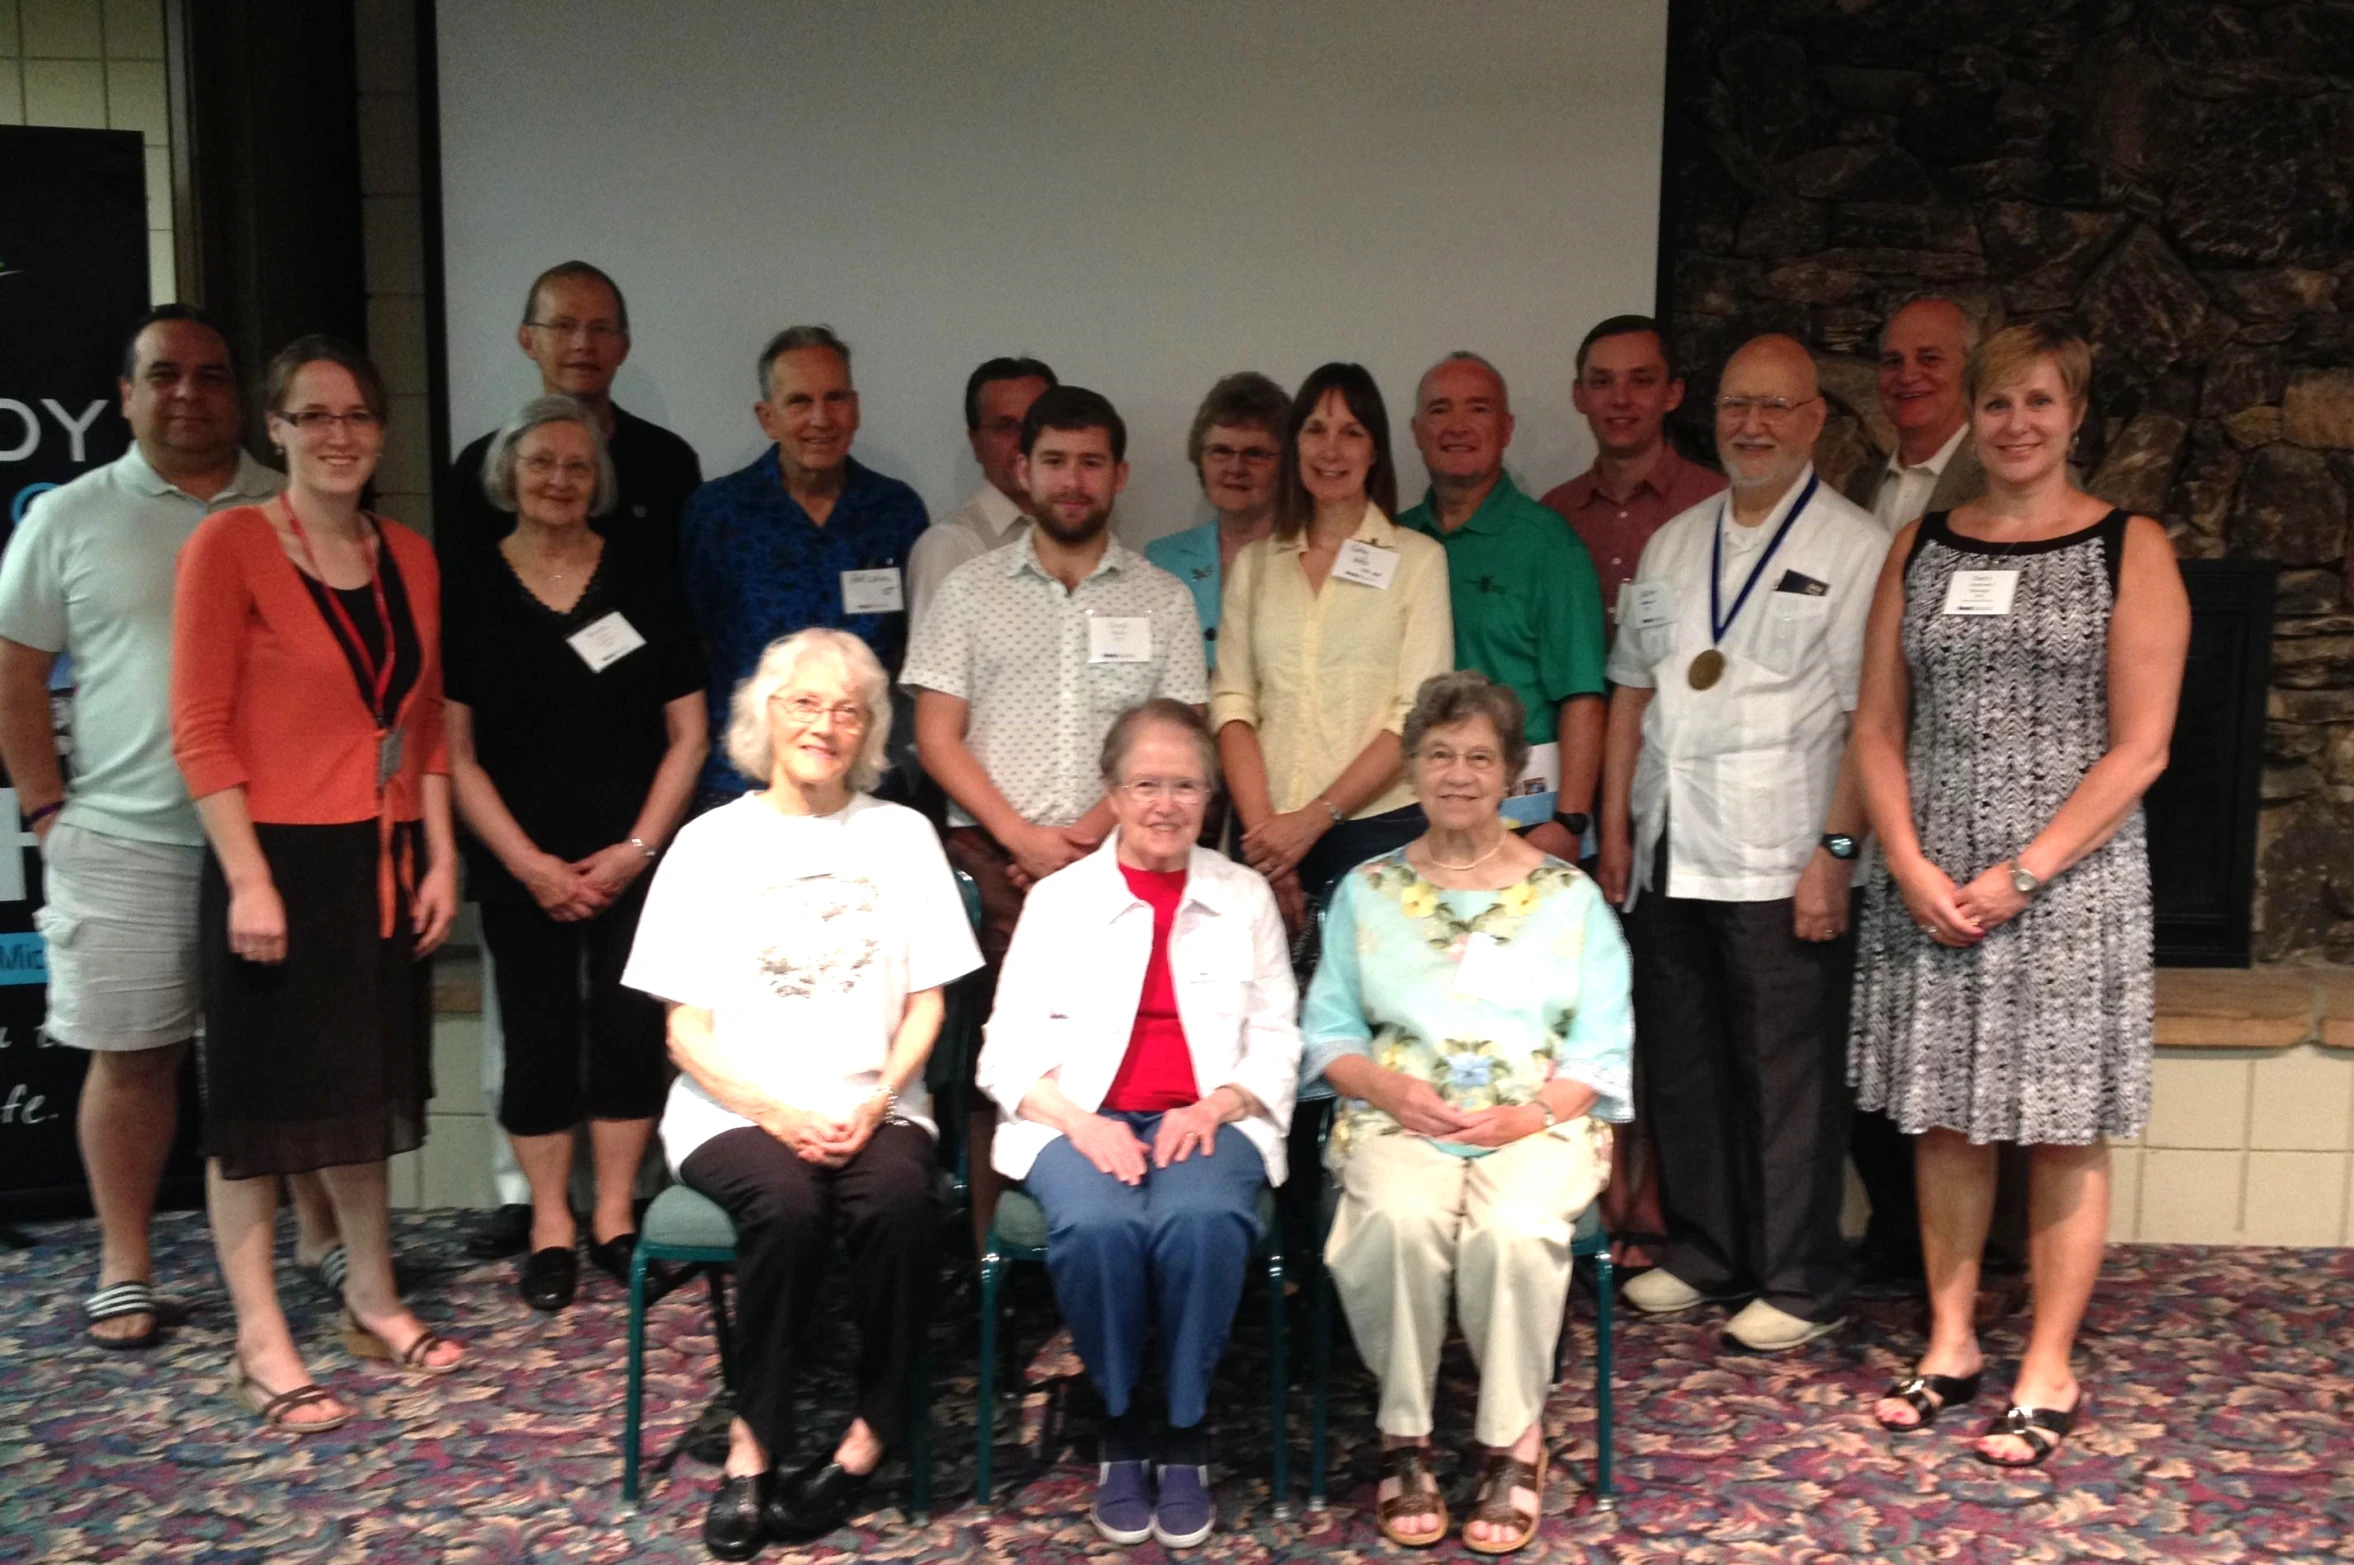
1119, 638
873, 592
1365, 565
605, 642
1646, 605
1980, 592
1481, 977
1542, 773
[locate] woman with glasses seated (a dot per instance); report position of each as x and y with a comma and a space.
1472, 1011
1143, 1057
801, 935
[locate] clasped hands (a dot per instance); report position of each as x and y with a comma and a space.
1116, 1149
1417, 1107
1957, 916
583, 888
1038, 851
829, 1143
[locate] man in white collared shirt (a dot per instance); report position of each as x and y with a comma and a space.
997, 396
1923, 350
1730, 823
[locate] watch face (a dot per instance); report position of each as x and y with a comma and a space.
1839, 846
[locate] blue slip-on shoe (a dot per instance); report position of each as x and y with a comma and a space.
1184, 1514
1123, 1509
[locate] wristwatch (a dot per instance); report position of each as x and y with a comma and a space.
1546, 1109
639, 843
2023, 883
890, 1104
1839, 844
1574, 822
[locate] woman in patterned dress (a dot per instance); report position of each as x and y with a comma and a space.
2020, 676
1472, 1011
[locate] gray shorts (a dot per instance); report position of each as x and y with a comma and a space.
120, 923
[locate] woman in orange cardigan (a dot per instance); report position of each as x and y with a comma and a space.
306, 717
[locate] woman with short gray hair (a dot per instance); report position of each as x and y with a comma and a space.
576, 726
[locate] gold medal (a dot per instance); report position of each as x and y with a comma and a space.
1706, 669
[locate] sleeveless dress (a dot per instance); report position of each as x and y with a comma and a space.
2041, 1033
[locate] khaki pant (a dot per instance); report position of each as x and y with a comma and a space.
1413, 1219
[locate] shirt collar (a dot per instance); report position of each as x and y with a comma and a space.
1489, 518
1663, 477
1936, 465
1203, 887
1374, 528
998, 513
252, 480
1023, 556
856, 480
1774, 517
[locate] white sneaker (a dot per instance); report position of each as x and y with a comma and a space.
1661, 1292
1762, 1328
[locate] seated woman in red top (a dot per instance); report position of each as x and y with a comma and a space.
306, 717
1143, 1055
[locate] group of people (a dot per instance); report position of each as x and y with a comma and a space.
1555, 806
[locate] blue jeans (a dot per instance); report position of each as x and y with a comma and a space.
1184, 1233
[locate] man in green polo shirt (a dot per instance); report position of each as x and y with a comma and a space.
1528, 610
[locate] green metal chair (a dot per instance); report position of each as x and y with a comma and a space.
690, 1228
1018, 1233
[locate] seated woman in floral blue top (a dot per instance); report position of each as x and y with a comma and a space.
1471, 1010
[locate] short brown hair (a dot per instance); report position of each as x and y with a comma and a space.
2007, 356
1243, 400
319, 348
1447, 699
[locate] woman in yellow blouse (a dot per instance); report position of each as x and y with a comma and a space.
1327, 630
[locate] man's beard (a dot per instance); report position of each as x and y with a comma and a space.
1051, 523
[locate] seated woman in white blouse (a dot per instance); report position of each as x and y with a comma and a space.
1143, 1056
802, 935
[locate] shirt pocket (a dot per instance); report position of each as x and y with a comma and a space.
1112, 688
1793, 632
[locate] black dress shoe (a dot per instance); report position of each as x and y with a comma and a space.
504, 1232
612, 1256
549, 1277
814, 1499
732, 1528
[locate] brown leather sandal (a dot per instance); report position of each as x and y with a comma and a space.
275, 1410
1498, 1477
1418, 1495
362, 1343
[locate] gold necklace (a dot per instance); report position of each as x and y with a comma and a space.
1456, 869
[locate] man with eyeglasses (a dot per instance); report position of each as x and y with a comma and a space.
1235, 445
576, 329
88, 576
1730, 822
1626, 386
1924, 349
996, 396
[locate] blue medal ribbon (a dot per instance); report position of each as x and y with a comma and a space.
1718, 624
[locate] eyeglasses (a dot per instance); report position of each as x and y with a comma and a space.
1177, 790
566, 326
806, 710
1439, 758
1771, 410
544, 466
315, 421
1257, 456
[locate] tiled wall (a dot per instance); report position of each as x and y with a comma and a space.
97, 64
2242, 1148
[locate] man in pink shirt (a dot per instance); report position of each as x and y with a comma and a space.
1626, 387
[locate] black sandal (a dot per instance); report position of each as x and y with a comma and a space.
1929, 1395
2030, 1425
114, 1302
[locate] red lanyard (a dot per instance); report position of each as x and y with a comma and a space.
379, 676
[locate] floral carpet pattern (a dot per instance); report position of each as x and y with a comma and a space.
2221, 1429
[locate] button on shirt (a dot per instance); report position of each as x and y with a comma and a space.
89, 573
1740, 774
1615, 531
1192, 557
1320, 672
756, 568
1904, 492
1527, 610
987, 521
1012, 643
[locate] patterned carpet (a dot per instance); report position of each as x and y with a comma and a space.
2222, 1429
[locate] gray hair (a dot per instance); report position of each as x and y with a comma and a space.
1973, 324
1466, 356
794, 338
498, 463
1166, 712
1447, 699
751, 748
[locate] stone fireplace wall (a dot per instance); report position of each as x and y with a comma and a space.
2177, 178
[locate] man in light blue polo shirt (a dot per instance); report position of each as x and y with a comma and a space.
88, 575
1234, 446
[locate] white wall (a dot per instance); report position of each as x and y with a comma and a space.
1147, 195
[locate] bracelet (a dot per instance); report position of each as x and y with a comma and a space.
639, 843
36, 817
1331, 809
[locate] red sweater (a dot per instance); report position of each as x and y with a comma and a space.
1157, 1071
262, 696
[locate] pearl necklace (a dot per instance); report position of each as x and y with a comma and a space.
1456, 869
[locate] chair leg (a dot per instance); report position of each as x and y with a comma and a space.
1605, 1285
1279, 1374
637, 1379
985, 1421
1320, 1350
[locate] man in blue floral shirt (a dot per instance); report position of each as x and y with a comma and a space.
804, 536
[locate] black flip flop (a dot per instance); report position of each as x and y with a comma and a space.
2042, 1428
1929, 1395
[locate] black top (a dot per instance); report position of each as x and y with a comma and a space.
2111, 529
655, 471
359, 604
572, 751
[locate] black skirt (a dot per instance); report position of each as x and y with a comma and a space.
324, 1059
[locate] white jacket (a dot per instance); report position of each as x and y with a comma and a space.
1066, 999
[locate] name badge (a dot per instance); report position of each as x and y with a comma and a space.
1365, 565
1646, 605
605, 642
1980, 592
873, 592
388, 758
1481, 977
1119, 638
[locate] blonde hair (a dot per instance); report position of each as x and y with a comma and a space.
2009, 355
750, 747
